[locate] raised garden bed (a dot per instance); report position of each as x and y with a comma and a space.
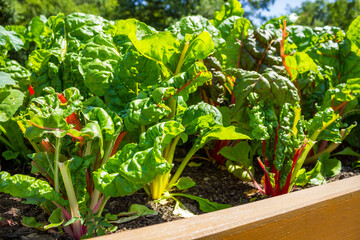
330, 211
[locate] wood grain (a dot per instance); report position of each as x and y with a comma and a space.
331, 211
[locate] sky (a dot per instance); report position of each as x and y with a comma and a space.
279, 8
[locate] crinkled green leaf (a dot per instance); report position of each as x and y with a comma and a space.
252, 50
109, 128
299, 63
162, 48
82, 28
45, 64
199, 48
230, 8
10, 101
18, 73
188, 82
269, 87
98, 60
144, 112
195, 25
10, 39
137, 164
29, 187
129, 172
201, 115
325, 126
127, 26
353, 33
160, 134
5, 79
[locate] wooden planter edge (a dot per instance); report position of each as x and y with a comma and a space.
330, 211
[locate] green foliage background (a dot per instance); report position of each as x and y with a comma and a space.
320, 13
162, 13
158, 13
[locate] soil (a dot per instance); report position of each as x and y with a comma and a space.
212, 182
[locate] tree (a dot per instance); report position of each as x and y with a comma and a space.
322, 12
20, 12
157, 13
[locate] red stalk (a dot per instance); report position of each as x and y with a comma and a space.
215, 152
98, 204
117, 143
267, 183
296, 157
48, 147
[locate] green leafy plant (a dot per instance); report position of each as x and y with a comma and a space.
72, 190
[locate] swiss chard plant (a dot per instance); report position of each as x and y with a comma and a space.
74, 140
163, 108
275, 87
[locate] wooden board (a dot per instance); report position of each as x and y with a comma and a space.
331, 211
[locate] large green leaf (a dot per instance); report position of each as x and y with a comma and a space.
187, 82
10, 101
354, 35
299, 63
195, 25
98, 60
29, 187
325, 126
269, 87
199, 116
252, 50
162, 48
129, 171
238, 153
137, 164
144, 112
18, 73
229, 9
160, 134
10, 39
6, 80
219, 133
